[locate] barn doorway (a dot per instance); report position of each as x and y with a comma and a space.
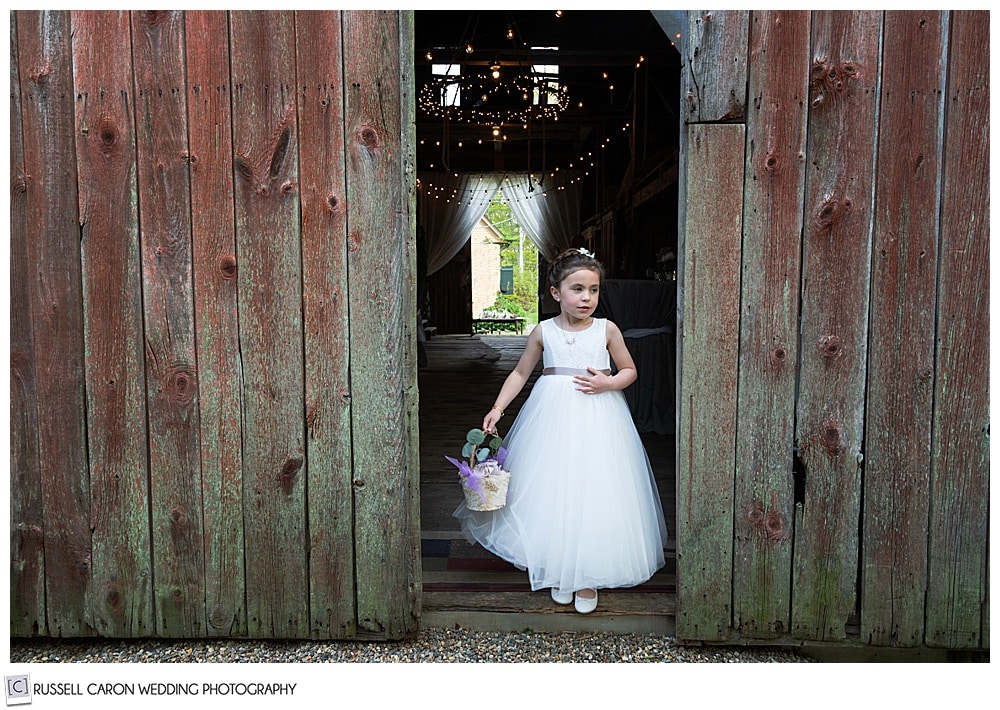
614, 148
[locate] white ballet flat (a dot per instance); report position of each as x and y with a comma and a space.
585, 606
561, 597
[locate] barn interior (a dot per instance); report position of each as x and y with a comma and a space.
578, 109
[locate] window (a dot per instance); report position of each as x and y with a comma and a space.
451, 93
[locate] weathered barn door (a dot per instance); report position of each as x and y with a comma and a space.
213, 360
833, 437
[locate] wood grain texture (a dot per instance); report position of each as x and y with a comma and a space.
714, 78
113, 334
901, 351
958, 577
217, 342
836, 260
27, 551
171, 369
327, 332
383, 375
265, 147
709, 349
772, 228
56, 303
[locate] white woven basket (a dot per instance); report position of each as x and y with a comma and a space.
493, 483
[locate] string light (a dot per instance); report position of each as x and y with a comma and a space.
507, 101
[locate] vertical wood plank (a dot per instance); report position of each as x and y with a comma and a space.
27, 551
56, 302
216, 318
843, 94
265, 139
709, 349
171, 372
715, 75
959, 489
327, 364
382, 376
113, 334
901, 360
772, 224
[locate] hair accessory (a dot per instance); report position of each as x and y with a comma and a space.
585, 252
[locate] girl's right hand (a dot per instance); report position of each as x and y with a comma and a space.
490, 421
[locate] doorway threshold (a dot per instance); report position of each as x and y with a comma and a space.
467, 587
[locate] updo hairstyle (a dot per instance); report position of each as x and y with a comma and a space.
571, 260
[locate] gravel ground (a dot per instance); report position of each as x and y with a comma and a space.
432, 645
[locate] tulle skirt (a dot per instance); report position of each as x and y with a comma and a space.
582, 509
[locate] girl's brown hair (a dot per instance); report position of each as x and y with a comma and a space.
571, 260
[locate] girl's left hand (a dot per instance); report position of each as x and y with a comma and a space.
596, 383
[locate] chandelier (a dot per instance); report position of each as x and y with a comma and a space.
493, 100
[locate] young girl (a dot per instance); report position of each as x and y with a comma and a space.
583, 511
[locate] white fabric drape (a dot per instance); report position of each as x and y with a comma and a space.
450, 206
549, 214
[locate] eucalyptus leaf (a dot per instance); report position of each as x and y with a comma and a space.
467, 450
475, 436
482, 454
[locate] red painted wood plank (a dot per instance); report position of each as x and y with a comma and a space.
324, 279
27, 553
901, 354
216, 318
836, 266
116, 424
377, 74
171, 371
772, 227
265, 146
958, 576
709, 328
56, 296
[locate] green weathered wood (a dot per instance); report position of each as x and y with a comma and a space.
216, 318
901, 350
171, 370
772, 228
121, 604
715, 68
709, 328
380, 268
327, 364
412, 594
53, 243
960, 464
27, 553
265, 147
836, 264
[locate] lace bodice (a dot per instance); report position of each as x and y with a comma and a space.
582, 349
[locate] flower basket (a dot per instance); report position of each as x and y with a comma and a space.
483, 478
486, 487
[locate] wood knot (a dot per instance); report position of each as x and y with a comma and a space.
288, 472
178, 516
353, 242
332, 203
771, 162
288, 187
755, 514
156, 17
181, 385
369, 138
832, 211
243, 168
830, 437
774, 525
779, 355
227, 266
830, 346
108, 135
114, 599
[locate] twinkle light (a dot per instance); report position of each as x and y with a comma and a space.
506, 101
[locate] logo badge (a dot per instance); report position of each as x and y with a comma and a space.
18, 690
